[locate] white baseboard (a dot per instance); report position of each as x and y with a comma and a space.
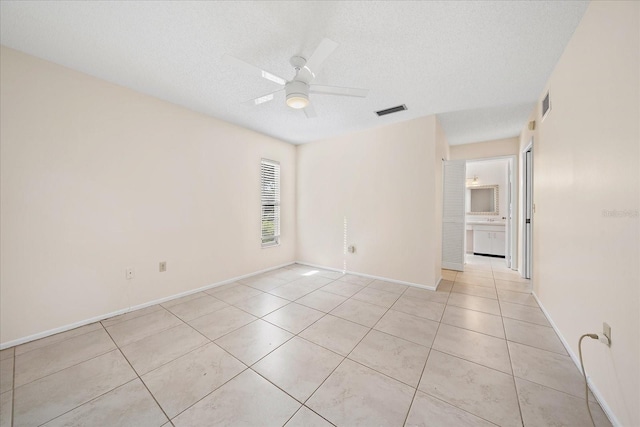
386, 279
596, 393
75, 325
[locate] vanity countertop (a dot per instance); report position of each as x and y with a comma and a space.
498, 223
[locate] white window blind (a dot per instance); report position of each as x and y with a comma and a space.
270, 196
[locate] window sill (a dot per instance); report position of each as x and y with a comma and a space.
270, 245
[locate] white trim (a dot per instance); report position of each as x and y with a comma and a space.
386, 279
603, 403
453, 265
133, 308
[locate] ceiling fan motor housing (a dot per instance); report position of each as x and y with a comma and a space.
297, 94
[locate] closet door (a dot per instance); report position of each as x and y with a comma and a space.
453, 220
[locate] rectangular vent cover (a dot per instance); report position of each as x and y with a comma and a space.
546, 106
391, 110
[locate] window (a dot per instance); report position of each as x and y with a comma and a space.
270, 197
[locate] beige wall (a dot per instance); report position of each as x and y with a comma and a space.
586, 162
382, 182
480, 150
97, 178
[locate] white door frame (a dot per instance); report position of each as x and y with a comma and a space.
528, 209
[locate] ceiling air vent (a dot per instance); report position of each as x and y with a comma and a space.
391, 110
546, 106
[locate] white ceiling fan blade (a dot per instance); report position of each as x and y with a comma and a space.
310, 112
335, 90
252, 69
262, 99
324, 49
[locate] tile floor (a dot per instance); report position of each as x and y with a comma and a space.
304, 347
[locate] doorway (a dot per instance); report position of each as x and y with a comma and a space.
492, 231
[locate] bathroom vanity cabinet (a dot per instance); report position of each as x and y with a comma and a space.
489, 240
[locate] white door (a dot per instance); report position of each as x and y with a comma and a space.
453, 214
507, 228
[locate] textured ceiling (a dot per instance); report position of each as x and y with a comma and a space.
479, 65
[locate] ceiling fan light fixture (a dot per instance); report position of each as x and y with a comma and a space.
297, 101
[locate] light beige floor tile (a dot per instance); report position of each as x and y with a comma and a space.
336, 334
360, 312
546, 368
56, 338
543, 337
298, 367
56, 357
6, 374
427, 411
392, 356
221, 322
294, 317
235, 294
471, 273
382, 285
313, 281
356, 395
185, 298
321, 300
7, 353
471, 302
513, 286
471, 267
473, 346
478, 291
475, 280
427, 295
411, 328
542, 406
285, 274
474, 320
305, 417
342, 288
517, 298
128, 405
156, 350
444, 286
449, 275
247, 400
133, 330
333, 275
484, 392
6, 409
219, 288
377, 297
264, 283
419, 307
292, 291
128, 316
197, 307
41, 400
356, 280
253, 341
184, 381
524, 313
512, 276
261, 305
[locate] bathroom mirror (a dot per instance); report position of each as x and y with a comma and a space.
482, 200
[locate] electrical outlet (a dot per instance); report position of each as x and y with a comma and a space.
606, 331
163, 266
130, 273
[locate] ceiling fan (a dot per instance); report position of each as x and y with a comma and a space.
297, 90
